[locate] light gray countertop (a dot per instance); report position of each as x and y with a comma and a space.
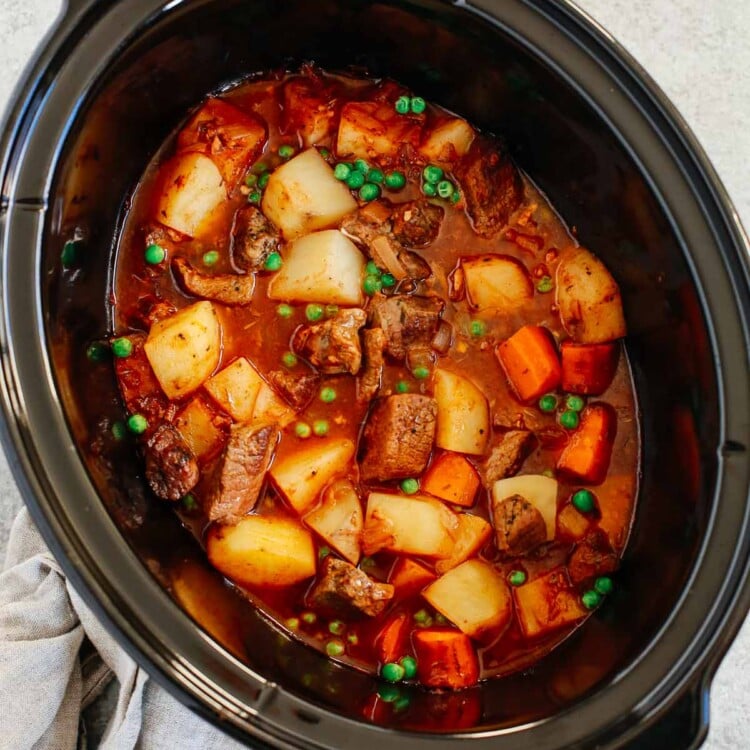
698, 52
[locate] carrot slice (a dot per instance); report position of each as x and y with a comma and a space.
445, 658
588, 369
451, 477
409, 577
390, 642
587, 454
530, 362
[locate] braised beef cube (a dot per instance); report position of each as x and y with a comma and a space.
507, 457
415, 266
398, 437
374, 345
296, 389
238, 475
227, 288
171, 468
254, 238
406, 321
519, 526
333, 345
592, 557
368, 222
344, 590
491, 185
417, 223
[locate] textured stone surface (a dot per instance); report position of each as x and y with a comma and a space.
697, 52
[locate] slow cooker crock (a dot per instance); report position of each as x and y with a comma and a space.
111, 82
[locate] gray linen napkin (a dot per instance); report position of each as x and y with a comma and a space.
56, 659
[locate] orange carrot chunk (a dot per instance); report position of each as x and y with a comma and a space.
409, 577
390, 642
587, 454
445, 658
588, 369
451, 477
530, 362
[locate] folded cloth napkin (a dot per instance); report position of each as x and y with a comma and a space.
56, 659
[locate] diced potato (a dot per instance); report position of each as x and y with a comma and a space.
302, 475
546, 604
190, 189
372, 130
463, 420
309, 110
322, 267
197, 425
448, 141
339, 520
474, 597
571, 523
412, 525
537, 489
473, 534
588, 298
262, 551
497, 282
184, 349
271, 408
235, 389
303, 196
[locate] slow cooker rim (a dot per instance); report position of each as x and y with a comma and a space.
23, 454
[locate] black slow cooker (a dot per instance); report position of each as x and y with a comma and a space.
112, 81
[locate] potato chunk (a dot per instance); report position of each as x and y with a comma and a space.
301, 476
303, 196
184, 349
546, 604
262, 551
201, 429
412, 525
190, 189
537, 489
321, 267
372, 130
339, 520
235, 389
588, 298
474, 597
463, 421
448, 141
473, 533
497, 282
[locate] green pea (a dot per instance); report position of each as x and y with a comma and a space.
342, 171
432, 174
544, 285
302, 430
263, 180
604, 585
254, 197
189, 503
421, 615
371, 285
284, 311
336, 627
369, 192
440, 619
324, 152
583, 501
388, 280
292, 623
402, 105
309, 618
429, 189
210, 258
286, 151
376, 175
137, 424
154, 254
323, 552
548, 402
402, 386
289, 359
395, 180
517, 578
118, 430
410, 486
250, 179
574, 403
314, 312
389, 693
320, 427
362, 166
355, 180
371, 269
402, 703
261, 167
409, 663
335, 647
445, 188
477, 328
327, 395
591, 599
392, 672
71, 253
273, 262
418, 105
97, 352
421, 372
569, 419
456, 197
352, 638
122, 347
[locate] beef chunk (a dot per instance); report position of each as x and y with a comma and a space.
592, 557
343, 589
491, 185
519, 526
406, 321
369, 382
507, 457
238, 476
171, 468
371, 221
416, 223
297, 390
254, 238
398, 437
227, 288
333, 346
